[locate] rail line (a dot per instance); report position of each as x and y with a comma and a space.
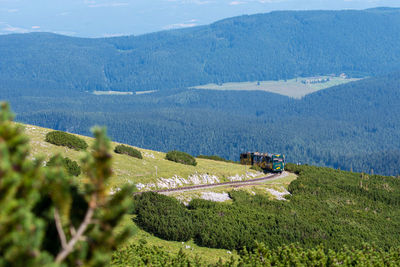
194, 187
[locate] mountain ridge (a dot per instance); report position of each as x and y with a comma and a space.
276, 45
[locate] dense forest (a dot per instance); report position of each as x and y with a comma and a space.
353, 126
326, 207
276, 45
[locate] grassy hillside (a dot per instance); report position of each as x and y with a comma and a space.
150, 169
133, 170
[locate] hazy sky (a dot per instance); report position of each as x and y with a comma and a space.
97, 18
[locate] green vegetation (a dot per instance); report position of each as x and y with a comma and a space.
65, 139
296, 88
207, 255
181, 157
122, 149
215, 157
292, 255
46, 217
329, 207
256, 168
133, 170
70, 166
177, 225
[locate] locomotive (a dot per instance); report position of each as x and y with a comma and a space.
266, 161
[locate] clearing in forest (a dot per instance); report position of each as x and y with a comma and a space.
295, 88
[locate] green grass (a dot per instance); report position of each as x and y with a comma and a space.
132, 170
292, 88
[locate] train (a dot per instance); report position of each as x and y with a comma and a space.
266, 161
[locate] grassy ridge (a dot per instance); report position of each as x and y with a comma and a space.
129, 169
133, 170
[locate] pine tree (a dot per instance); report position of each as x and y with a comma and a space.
46, 217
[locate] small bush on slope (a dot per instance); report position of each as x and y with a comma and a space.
121, 149
65, 139
181, 157
176, 223
70, 166
214, 157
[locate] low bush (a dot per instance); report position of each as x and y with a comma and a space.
257, 168
214, 157
181, 157
163, 216
59, 138
71, 166
321, 199
130, 151
262, 255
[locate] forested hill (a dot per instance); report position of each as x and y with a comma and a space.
354, 125
277, 45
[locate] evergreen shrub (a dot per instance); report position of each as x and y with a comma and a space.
130, 151
181, 157
70, 166
214, 157
40, 205
257, 168
163, 216
59, 138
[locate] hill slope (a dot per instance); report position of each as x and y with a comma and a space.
152, 169
277, 45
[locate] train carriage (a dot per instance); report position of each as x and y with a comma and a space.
266, 161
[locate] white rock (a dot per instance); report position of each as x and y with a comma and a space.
217, 197
277, 194
149, 155
236, 177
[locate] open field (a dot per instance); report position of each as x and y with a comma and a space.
296, 88
111, 93
123, 93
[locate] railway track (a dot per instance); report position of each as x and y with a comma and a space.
195, 187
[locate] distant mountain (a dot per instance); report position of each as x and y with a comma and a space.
277, 45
